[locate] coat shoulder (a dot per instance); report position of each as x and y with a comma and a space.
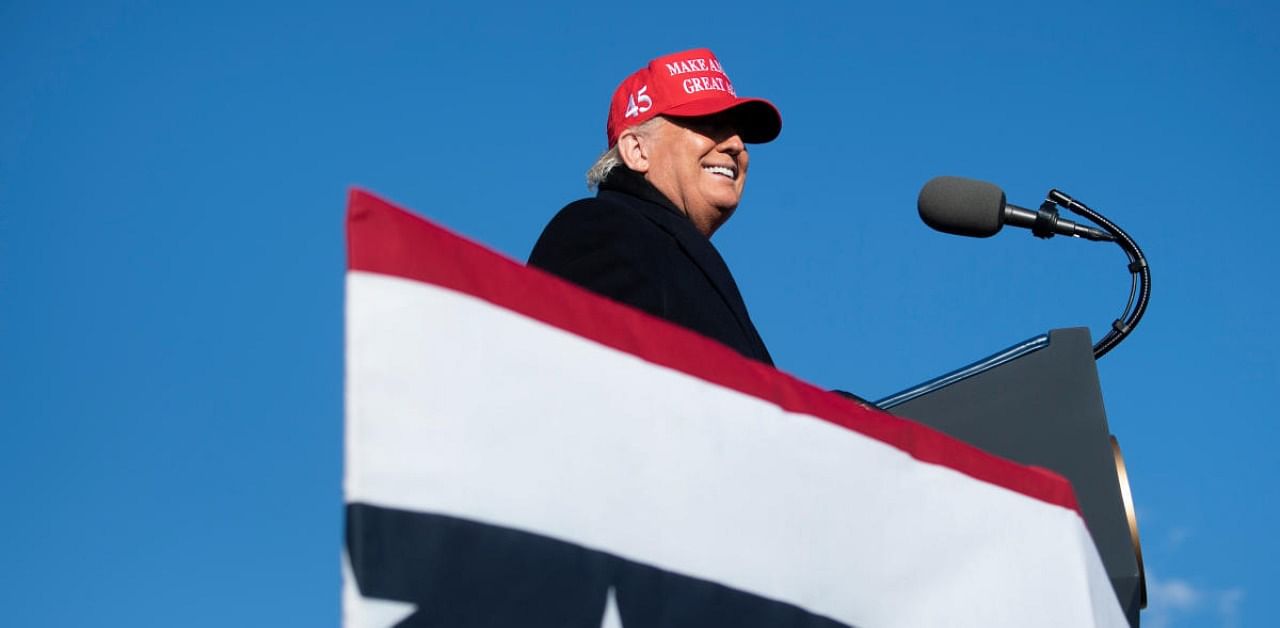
593, 226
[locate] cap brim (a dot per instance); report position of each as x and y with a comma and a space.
757, 119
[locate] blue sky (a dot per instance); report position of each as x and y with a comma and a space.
172, 182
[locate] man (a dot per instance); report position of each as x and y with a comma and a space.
673, 174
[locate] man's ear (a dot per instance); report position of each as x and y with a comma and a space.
634, 151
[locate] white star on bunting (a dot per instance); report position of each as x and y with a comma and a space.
612, 618
365, 612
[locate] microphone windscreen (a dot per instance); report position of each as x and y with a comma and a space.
962, 206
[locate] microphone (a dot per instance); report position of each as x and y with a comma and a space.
974, 208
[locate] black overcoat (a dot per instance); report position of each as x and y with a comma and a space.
630, 244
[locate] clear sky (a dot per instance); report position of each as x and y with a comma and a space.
173, 179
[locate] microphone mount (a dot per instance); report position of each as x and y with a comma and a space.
1140, 272
1046, 223
1045, 219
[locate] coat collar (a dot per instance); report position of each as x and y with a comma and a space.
628, 181
661, 211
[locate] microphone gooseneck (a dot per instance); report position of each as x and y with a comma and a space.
968, 207
1139, 270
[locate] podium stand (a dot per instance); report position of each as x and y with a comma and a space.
1039, 403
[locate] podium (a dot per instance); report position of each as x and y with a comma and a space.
520, 451
1039, 402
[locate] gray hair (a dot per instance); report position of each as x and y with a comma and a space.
610, 159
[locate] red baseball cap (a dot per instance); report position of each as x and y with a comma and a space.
687, 85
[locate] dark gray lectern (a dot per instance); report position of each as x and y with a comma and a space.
1039, 403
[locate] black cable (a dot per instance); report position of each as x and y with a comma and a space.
1138, 267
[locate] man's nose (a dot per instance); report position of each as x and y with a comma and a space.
732, 144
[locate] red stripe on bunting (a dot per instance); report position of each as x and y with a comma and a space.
384, 239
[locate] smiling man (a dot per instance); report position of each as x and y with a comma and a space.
674, 172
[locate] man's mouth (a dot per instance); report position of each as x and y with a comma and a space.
724, 171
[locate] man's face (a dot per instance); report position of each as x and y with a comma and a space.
700, 164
